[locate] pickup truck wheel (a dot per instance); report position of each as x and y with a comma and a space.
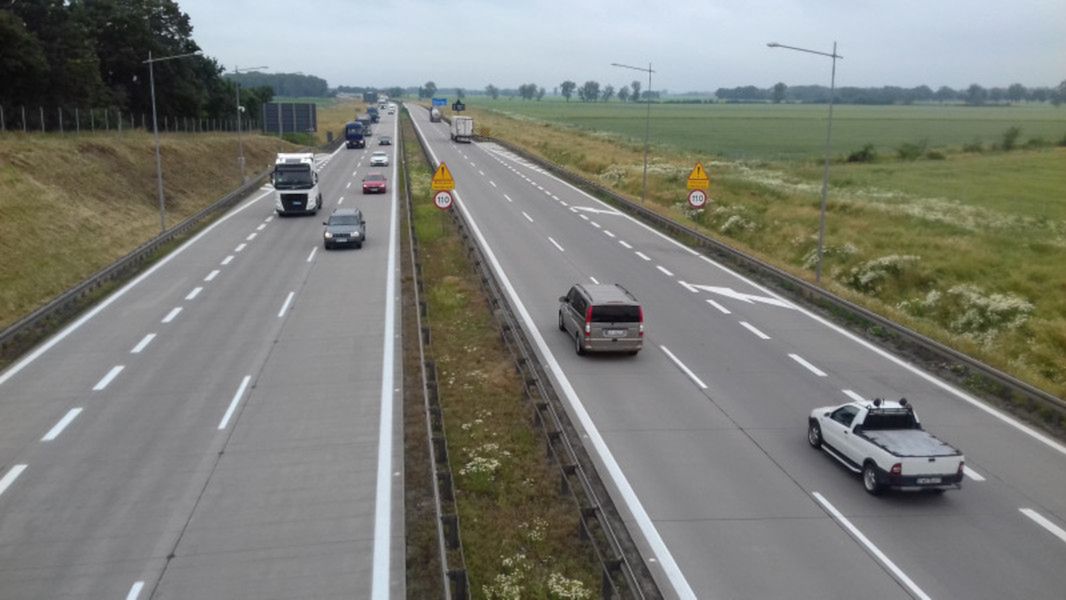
814, 435
869, 479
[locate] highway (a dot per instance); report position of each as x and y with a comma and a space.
224, 426
701, 437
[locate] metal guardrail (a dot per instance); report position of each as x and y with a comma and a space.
945, 360
623, 571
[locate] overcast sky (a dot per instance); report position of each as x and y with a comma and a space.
693, 45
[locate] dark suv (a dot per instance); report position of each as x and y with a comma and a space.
344, 227
602, 318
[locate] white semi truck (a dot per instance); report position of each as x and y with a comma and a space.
462, 129
295, 180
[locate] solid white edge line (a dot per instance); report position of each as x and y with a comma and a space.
721, 309
683, 368
972, 474
807, 365
58, 428
870, 547
380, 580
194, 293
141, 345
285, 305
59, 337
854, 396
135, 591
664, 270
556, 244
1042, 521
311, 256
614, 470
211, 276
10, 477
754, 330
234, 402
174, 312
107, 379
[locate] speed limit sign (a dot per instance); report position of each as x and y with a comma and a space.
443, 199
697, 198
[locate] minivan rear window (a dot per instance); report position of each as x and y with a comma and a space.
615, 313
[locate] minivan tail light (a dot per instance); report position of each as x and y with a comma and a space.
962, 467
588, 321
641, 329
897, 469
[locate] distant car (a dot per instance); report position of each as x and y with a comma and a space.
392, 111
379, 159
374, 184
384, 141
602, 318
345, 227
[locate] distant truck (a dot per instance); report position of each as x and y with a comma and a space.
373, 112
885, 443
462, 129
353, 135
295, 179
434, 115
366, 121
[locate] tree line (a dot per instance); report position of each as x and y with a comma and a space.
86, 53
285, 84
975, 95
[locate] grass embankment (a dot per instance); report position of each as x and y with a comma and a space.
967, 249
332, 117
520, 537
70, 206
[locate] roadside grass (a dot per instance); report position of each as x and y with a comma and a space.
517, 531
333, 116
70, 206
967, 250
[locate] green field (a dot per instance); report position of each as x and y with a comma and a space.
767, 131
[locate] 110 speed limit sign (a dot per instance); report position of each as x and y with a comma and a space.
697, 198
443, 199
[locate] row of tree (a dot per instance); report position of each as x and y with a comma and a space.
975, 94
285, 84
86, 53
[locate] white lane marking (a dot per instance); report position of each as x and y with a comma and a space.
972, 474
683, 368
556, 244
270, 218
353, 172
472, 164
261, 227
1040, 520
348, 186
854, 396
625, 244
563, 202
58, 428
227, 260
107, 379
614, 470
809, 366
595, 224
547, 193
642, 255
380, 581
721, 309
10, 477
608, 233
135, 591
311, 256
870, 547
528, 218
194, 293
251, 236
752, 329
554, 197
285, 306
593, 279
540, 187
240, 247
508, 198
340, 201
584, 217
493, 183
664, 270
141, 345
172, 314
59, 337
688, 287
482, 173
211, 276
233, 403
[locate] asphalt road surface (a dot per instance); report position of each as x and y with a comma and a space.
224, 426
701, 437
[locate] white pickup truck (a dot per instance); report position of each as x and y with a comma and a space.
885, 442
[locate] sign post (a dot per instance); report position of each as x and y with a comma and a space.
698, 183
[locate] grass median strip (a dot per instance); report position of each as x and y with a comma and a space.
520, 537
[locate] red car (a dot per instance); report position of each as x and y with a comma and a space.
374, 184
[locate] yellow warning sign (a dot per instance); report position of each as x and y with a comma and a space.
698, 179
442, 179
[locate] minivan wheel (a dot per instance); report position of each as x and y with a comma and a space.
577, 345
562, 327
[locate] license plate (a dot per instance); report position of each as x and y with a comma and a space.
925, 480
615, 332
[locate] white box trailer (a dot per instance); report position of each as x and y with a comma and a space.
462, 129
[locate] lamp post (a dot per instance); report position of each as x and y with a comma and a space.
647, 126
828, 136
155, 128
240, 109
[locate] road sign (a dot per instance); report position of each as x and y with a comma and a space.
698, 179
697, 198
443, 199
458, 106
440, 102
443, 180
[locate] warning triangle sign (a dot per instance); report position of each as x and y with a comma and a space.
698, 179
442, 179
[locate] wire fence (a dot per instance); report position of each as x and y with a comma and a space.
77, 120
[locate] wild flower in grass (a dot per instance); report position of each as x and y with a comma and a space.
847, 250
736, 223
982, 314
872, 274
535, 531
561, 588
508, 583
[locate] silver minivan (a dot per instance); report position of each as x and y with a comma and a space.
602, 318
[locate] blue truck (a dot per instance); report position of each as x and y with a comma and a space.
354, 135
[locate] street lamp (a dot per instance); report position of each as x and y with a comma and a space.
240, 109
828, 135
155, 128
647, 126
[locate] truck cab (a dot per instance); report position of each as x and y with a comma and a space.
295, 179
374, 115
353, 135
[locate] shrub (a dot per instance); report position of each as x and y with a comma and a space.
1010, 138
1062, 140
866, 154
1037, 143
974, 146
935, 155
909, 151
872, 274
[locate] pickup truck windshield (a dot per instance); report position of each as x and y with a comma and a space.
880, 421
291, 178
